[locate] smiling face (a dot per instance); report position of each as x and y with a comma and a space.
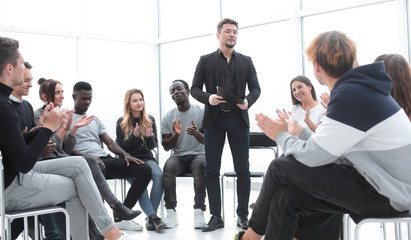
178, 93
23, 89
301, 91
136, 103
227, 37
58, 95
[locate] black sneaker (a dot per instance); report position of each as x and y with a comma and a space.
93, 232
158, 224
238, 235
242, 222
150, 224
214, 223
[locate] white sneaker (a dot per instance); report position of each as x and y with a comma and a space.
171, 219
129, 225
199, 220
126, 237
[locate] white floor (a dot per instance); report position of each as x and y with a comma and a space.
186, 231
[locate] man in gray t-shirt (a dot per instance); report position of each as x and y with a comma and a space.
182, 132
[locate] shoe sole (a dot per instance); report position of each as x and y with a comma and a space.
199, 227
210, 230
160, 229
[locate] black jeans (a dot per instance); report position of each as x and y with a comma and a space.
176, 165
232, 124
308, 202
116, 168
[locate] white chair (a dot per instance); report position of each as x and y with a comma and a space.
7, 217
397, 222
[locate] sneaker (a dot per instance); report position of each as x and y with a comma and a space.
238, 235
171, 219
126, 237
129, 225
158, 224
150, 224
199, 220
94, 233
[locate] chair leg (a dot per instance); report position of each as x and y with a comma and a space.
397, 227
36, 228
222, 197
123, 183
346, 227
234, 193
26, 229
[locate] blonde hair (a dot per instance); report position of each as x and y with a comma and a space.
127, 123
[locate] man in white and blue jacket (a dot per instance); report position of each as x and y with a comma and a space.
357, 162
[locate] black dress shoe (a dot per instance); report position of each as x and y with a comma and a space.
121, 212
214, 223
93, 232
242, 222
158, 224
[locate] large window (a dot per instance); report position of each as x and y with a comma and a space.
373, 34
117, 45
187, 18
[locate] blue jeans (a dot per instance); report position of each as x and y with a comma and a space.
148, 206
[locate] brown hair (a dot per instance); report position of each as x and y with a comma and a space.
127, 123
399, 70
48, 88
226, 21
307, 82
8, 52
334, 52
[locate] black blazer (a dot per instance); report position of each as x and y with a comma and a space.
207, 74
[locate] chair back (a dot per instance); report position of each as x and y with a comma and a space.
260, 140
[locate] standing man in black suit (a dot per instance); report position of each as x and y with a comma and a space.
225, 74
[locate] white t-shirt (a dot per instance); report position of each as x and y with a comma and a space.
316, 114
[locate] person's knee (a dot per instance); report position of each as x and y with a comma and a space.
146, 171
198, 168
157, 176
289, 200
169, 169
79, 162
